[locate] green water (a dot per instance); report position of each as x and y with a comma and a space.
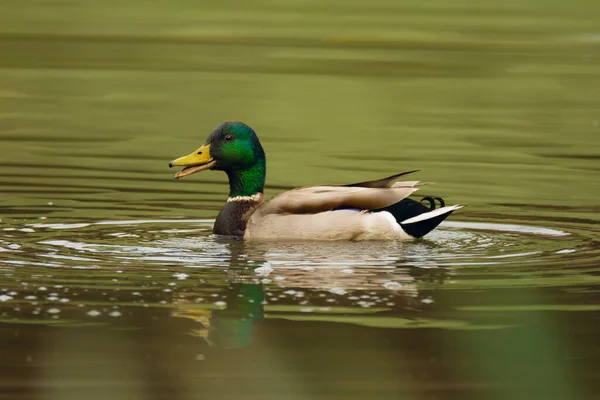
112, 286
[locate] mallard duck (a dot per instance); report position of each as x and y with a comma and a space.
372, 210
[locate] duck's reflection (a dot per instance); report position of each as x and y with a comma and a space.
303, 281
233, 326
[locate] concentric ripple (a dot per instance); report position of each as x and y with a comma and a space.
89, 272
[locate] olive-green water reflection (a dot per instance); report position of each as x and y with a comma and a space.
111, 285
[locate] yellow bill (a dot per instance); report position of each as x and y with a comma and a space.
197, 161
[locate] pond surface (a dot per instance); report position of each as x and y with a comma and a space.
112, 286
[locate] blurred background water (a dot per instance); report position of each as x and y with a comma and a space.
111, 285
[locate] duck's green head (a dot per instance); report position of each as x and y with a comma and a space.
232, 147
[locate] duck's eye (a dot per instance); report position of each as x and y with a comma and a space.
229, 138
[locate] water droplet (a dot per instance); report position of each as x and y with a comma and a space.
391, 285
264, 270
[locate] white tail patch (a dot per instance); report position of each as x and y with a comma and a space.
430, 214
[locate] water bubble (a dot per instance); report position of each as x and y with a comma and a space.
264, 270
391, 285
53, 310
181, 276
93, 313
4, 297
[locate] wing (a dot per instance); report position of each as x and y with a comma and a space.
382, 183
317, 199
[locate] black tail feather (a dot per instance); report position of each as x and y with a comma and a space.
422, 228
406, 208
409, 208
